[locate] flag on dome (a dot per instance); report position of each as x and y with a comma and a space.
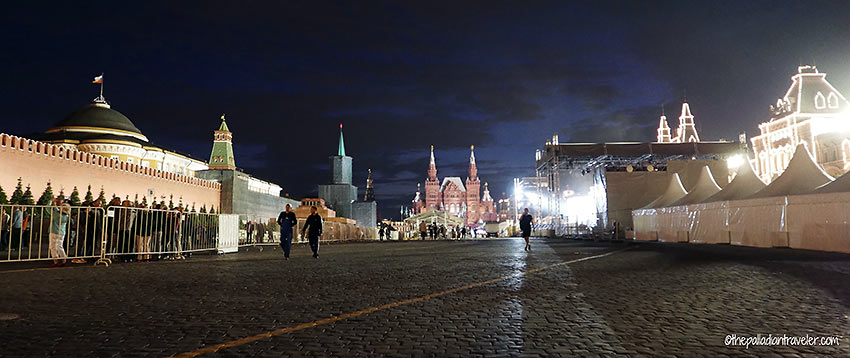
98, 79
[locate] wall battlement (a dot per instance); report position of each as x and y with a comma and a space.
38, 163
58, 152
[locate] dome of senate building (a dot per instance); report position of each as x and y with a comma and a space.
98, 118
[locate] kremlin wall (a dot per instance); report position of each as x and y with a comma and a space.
38, 163
98, 146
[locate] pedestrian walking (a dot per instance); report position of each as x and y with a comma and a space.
525, 226
381, 233
388, 231
423, 229
287, 222
313, 228
59, 216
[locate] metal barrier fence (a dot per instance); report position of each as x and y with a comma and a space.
99, 235
95, 234
141, 233
26, 230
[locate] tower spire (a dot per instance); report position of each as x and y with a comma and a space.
370, 191
222, 152
473, 170
687, 131
663, 129
486, 196
341, 150
432, 167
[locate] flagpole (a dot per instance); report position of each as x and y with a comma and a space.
101, 85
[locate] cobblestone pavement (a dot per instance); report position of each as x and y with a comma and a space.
652, 299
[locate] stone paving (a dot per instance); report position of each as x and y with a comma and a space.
652, 299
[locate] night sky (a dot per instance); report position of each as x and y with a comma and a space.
503, 76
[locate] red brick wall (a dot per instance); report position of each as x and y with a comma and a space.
37, 163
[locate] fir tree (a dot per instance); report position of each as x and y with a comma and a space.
102, 195
18, 194
212, 210
46, 197
74, 200
171, 202
89, 196
136, 200
204, 209
27, 198
145, 201
3, 199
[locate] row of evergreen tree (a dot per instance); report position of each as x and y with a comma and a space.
25, 197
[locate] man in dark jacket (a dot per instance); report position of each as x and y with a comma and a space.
287, 222
313, 227
525, 226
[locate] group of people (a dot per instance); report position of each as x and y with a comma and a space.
439, 231
130, 232
140, 233
385, 231
256, 232
312, 230
14, 228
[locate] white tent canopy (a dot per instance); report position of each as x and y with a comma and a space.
802, 176
675, 191
745, 184
435, 216
840, 184
705, 187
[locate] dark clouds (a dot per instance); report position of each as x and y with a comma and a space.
501, 75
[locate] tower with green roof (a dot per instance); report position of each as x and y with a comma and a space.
340, 193
222, 150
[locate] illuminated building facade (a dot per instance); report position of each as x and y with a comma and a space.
452, 196
685, 133
811, 112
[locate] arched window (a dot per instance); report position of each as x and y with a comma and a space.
832, 100
820, 101
845, 150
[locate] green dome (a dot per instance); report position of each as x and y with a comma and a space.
100, 116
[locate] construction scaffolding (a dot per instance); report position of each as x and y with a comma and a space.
592, 185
